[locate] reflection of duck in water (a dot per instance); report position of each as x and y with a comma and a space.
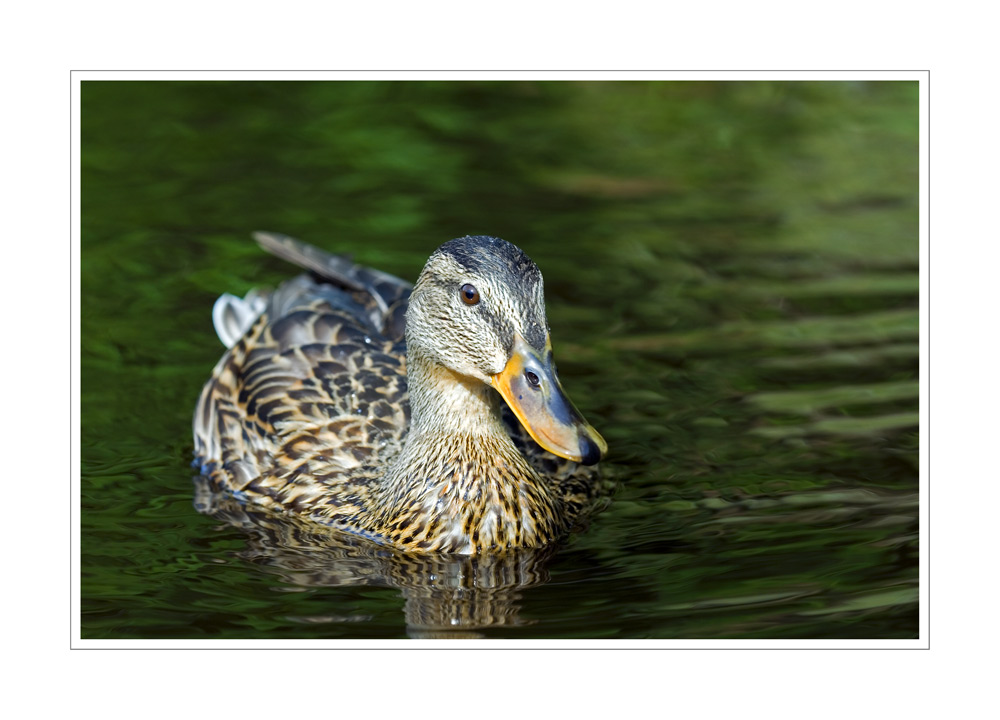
446, 596
309, 411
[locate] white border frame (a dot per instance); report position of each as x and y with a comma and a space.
920, 76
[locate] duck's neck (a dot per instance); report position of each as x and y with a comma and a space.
443, 402
459, 483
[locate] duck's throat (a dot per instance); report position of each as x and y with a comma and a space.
445, 402
460, 484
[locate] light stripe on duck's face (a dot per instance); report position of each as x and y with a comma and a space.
479, 309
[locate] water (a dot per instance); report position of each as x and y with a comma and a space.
731, 275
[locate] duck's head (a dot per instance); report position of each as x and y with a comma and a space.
478, 310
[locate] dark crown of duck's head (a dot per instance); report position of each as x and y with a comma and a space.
487, 255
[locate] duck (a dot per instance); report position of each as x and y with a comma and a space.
428, 418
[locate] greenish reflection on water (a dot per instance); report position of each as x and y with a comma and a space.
731, 276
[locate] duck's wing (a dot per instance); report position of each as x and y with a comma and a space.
302, 408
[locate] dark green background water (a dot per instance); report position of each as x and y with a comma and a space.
732, 283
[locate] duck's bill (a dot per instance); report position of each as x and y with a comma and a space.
531, 388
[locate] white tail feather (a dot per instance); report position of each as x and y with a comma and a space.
233, 316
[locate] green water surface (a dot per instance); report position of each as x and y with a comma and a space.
731, 274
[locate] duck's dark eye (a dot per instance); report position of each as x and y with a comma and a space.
531, 378
470, 296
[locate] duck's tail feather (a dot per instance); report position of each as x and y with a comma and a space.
340, 270
232, 316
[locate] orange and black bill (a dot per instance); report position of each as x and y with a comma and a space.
530, 386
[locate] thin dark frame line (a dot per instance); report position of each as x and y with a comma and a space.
493, 70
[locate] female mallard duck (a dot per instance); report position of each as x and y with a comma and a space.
319, 408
